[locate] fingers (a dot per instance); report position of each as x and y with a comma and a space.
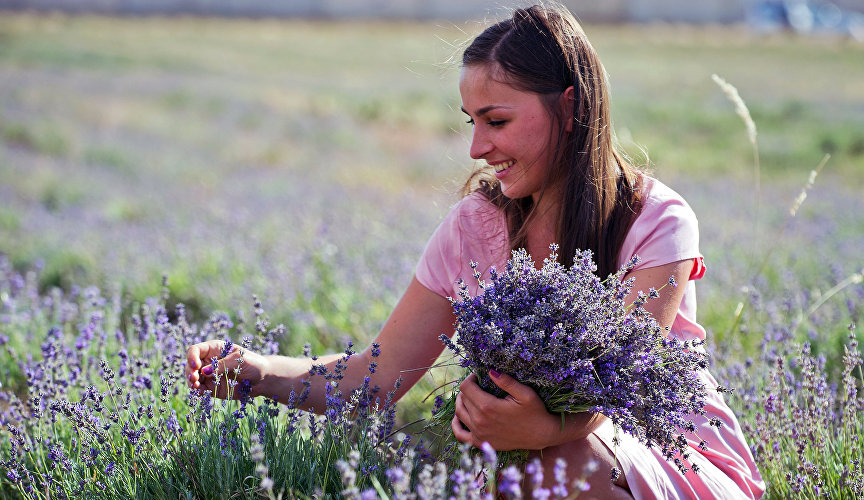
498, 421
199, 354
193, 364
517, 392
472, 412
198, 361
219, 391
216, 380
469, 388
520, 392
461, 412
475, 406
461, 432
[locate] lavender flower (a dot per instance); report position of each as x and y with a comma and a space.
489, 454
510, 483
560, 488
226, 349
572, 338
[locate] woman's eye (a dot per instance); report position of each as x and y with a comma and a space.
491, 123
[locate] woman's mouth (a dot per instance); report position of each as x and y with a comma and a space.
501, 167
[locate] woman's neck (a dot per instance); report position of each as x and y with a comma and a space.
542, 227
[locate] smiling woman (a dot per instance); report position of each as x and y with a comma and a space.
513, 131
536, 93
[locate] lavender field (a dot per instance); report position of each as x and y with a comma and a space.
306, 164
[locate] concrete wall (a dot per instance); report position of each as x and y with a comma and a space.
686, 11
689, 11
611, 10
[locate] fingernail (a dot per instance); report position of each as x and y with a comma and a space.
207, 370
494, 373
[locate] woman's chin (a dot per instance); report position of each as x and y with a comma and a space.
513, 194
508, 191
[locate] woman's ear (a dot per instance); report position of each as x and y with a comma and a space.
568, 102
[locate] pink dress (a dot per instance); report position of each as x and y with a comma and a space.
666, 231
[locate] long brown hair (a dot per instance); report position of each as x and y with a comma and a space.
543, 49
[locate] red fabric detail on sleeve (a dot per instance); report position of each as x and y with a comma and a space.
698, 268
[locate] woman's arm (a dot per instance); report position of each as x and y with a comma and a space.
409, 343
520, 420
664, 308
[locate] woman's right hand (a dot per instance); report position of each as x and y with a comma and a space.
409, 341
239, 364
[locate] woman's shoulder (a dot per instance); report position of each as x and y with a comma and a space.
475, 201
666, 229
474, 230
660, 201
656, 194
477, 216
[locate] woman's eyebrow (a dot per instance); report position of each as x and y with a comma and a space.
482, 111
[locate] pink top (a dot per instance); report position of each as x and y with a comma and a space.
665, 231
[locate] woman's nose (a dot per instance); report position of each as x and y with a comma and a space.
480, 144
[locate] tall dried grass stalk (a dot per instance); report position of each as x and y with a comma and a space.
803, 195
740, 108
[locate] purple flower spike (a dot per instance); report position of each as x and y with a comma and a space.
489, 453
226, 349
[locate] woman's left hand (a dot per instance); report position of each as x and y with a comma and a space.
518, 421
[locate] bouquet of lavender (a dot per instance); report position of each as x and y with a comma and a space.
571, 337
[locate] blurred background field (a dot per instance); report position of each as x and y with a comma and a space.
308, 162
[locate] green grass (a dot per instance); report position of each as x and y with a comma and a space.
187, 101
136, 147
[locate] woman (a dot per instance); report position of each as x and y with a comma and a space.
536, 94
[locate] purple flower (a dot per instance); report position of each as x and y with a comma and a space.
171, 424
131, 434
395, 474
510, 482
226, 349
571, 336
540, 494
489, 454
560, 488
534, 470
439, 402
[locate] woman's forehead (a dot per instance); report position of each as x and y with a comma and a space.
481, 85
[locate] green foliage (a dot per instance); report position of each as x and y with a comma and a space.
119, 151
109, 157
45, 138
9, 219
109, 415
65, 268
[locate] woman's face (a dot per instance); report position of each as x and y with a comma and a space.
512, 131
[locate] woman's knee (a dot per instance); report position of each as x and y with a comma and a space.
588, 461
